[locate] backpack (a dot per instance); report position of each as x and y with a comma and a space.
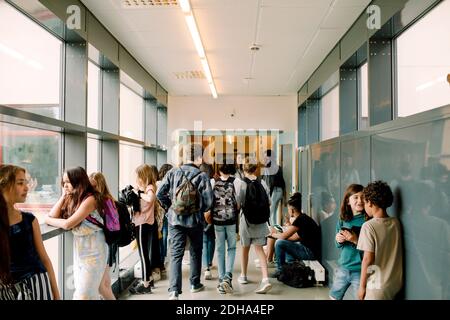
186, 200
296, 274
225, 204
126, 226
256, 208
111, 225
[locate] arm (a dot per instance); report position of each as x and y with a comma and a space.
290, 231
56, 210
206, 192
369, 259
86, 207
149, 197
163, 193
40, 249
339, 237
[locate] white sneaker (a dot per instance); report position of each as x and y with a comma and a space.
208, 275
173, 295
264, 287
242, 280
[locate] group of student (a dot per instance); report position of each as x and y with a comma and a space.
185, 203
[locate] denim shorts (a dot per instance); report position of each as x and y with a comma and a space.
343, 279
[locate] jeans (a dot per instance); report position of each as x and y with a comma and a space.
209, 245
177, 243
291, 249
343, 279
277, 196
228, 234
163, 242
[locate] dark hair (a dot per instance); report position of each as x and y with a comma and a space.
346, 210
163, 170
268, 152
5, 261
227, 168
82, 189
379, 193
326, 198
193, 151
250, 166
295, 201
208, 169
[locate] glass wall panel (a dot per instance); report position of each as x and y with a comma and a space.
131, 114
30, 64
94, 96
363, 96
52, 247
423, 63
329, 114
93, 156
39, 152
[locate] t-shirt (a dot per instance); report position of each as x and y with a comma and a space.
383, 237
309, 233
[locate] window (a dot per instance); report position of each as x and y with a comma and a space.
363, 96
93, 156
423, 63
38, 151
94, 96
131, 108
329, 113
30, 62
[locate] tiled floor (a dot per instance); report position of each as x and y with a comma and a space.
241, 292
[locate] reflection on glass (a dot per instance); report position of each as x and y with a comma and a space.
329, 113
93, 116
52, 247
363, 96
30, 63
37, 151
423, 69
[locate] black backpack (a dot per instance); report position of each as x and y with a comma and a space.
296, 274
126, 226
256, 208
225, 204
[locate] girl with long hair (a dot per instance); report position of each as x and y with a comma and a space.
98, 181
23, 258
80, 203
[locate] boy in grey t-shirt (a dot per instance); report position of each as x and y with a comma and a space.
380, 239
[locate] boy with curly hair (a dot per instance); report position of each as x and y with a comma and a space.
380, 239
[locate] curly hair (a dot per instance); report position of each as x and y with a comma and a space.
295, 201
379, 193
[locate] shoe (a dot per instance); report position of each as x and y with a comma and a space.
208, 275
141, 289
227, 286
264, 287
221, 289
173, 295
275, 274
242, 280
197, 288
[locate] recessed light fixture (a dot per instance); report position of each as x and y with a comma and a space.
192, 26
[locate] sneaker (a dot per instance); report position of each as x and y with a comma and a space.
264, 287
227, 286
173, 295
221, 289
208, 275
141, 289
242, 280
197, 288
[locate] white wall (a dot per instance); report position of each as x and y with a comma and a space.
250, 112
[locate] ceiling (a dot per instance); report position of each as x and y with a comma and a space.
294, 37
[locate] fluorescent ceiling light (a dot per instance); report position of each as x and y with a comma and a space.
192, 26
195, 35
185, 6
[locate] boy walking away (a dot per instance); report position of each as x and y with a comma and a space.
253, 223
225, 211
380, 239
185, 193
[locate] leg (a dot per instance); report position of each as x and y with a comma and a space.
277, 195
340, 284
105, 286
212, 246
143, 239
263, 260
220, 244
270, 249
231, 250
177, 243
244, 260
196, 237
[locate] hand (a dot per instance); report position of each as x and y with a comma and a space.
208, 217
350, 236
272, 230
340, 238
361, 293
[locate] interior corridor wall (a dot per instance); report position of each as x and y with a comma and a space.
232, 112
